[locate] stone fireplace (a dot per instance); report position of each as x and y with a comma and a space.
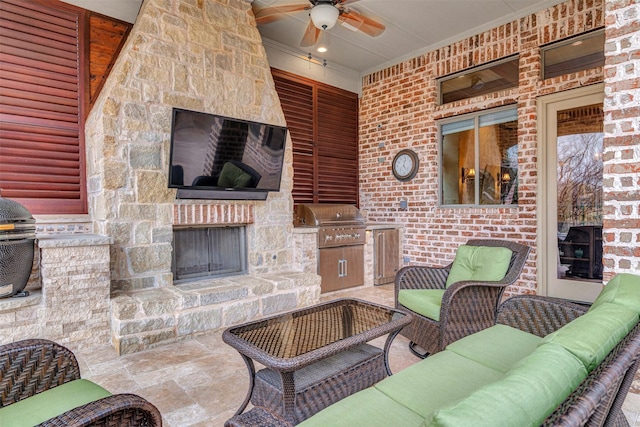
203, 56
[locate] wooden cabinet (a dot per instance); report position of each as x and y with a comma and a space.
386, 255
581, 250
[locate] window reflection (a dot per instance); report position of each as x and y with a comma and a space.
480, 159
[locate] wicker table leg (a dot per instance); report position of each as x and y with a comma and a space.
289, 397
252, 380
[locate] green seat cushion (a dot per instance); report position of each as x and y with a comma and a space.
593, 335
232, 176
426, 302
525, 396
623, 289
435, 382
367, 408
480, 263
51, 403
498, 347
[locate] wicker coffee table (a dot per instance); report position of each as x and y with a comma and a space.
313, 356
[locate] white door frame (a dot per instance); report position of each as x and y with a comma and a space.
547, 132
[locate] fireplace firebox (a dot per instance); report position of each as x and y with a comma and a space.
208, 252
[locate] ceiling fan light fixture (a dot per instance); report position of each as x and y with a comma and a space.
324, 16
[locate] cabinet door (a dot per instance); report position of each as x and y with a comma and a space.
387, 255
330, 269
353, 266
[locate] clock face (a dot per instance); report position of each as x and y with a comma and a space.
405, 165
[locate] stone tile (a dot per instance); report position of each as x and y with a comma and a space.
167, 396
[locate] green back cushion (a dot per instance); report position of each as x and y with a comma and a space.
593, 335
482, 263
498, 347
623, 289
426, 302
437, 381
368, 407
51, 403
232, 176
526, 395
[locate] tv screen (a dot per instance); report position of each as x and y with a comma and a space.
216, 157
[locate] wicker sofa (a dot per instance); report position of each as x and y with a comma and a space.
40, 384
545, 362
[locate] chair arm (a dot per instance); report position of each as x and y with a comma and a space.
32, 366
421, 277
468, 307
538, 315
118, 410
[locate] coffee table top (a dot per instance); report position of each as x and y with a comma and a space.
292, 340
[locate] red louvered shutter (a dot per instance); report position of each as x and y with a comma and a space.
41, 109
323, 122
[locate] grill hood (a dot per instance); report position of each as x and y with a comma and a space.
323, 215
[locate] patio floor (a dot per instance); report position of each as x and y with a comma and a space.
202, 381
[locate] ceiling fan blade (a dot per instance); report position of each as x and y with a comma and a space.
369, 26
275, 13
346, 2
311, 35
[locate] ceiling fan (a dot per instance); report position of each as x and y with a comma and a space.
324, 15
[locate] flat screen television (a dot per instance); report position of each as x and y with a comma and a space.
216, 157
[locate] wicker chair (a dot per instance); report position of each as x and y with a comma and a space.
467, 306
32, 366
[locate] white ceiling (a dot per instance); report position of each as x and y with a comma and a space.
412, 26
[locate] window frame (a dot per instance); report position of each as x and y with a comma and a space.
473, 70
544, 49
476, 118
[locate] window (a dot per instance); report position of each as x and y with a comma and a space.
575, 54
479, 159
488, 78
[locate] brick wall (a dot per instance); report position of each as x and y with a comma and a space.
622, 138
398, 109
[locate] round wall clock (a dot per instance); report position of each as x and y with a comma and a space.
405, 165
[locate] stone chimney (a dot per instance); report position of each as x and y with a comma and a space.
199, 55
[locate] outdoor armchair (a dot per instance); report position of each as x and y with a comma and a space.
459, 309
38, 377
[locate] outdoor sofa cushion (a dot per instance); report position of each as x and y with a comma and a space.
51, 403
593, 335
480, 263
498, 347
525, 396
621, 290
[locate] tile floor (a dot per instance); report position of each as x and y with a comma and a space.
202, 381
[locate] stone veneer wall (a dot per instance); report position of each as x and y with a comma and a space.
205, 56
399, 107
71, 303
207, 59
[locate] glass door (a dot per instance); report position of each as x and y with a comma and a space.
571, 210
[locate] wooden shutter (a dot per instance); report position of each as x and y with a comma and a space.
41, 108
337, 146
296, 98
323, 122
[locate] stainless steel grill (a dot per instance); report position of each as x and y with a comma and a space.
341, 238
17, 237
